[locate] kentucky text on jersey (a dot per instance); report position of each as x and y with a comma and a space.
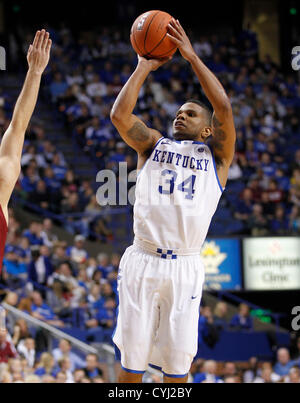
183, 161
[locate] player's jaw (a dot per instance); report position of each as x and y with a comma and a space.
181, 131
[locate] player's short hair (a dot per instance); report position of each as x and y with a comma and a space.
208, 111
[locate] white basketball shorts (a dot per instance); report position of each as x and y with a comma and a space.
159, 300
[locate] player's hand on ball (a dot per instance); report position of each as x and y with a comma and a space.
152, 64
179, 37
39, 52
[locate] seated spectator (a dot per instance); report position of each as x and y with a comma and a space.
266, 375
64, 365
294, 375
242, 320
257, 223
244, 205
40, 196
229, 370
78, 375
105, 317
27, 349
40, 268
43, 312
280, 224
46, 366
58, 87
283, 364
220, 313
47, 234
64, 349
15, 267
21, 332
34, 234
274, 192
77, 253
251, 373
92, 367
207, 329
209, 374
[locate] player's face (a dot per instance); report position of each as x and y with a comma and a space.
189, 122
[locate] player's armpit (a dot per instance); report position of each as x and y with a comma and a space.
136, 134
224, 137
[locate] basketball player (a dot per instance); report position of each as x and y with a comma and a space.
13, 139
161, 275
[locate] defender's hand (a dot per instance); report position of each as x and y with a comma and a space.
179, 37
152, 64
39, 52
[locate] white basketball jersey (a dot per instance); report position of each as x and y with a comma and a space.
177, 194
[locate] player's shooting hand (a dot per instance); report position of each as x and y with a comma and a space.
152, 64
179, 37
39, 52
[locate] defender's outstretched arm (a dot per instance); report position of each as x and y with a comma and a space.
13, 139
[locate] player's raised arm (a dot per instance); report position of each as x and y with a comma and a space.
133, 131
224, 135
13, 139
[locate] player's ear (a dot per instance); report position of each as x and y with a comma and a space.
206, 132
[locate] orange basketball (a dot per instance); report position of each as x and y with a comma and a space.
149, 35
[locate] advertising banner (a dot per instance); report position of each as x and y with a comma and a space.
271, 263
222, 261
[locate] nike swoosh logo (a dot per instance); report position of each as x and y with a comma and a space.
195, 297
164, 142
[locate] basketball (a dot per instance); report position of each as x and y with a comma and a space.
149, 35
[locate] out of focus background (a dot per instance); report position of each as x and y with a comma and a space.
59, 281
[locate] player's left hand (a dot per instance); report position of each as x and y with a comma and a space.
39, 52
179, 37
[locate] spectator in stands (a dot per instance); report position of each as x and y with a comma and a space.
91, 368
251, 373
105, 316
27, 349
266, 374
64, 365
209, 374
294, 375
78, 375
220, 313
229, 370
34, 234
257, 223
46, 366
77, 253
244, 205
21, 332
283, 363
208, 330
40, 268
40, 196
64, 349
43, 312
280, 224
242, 320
